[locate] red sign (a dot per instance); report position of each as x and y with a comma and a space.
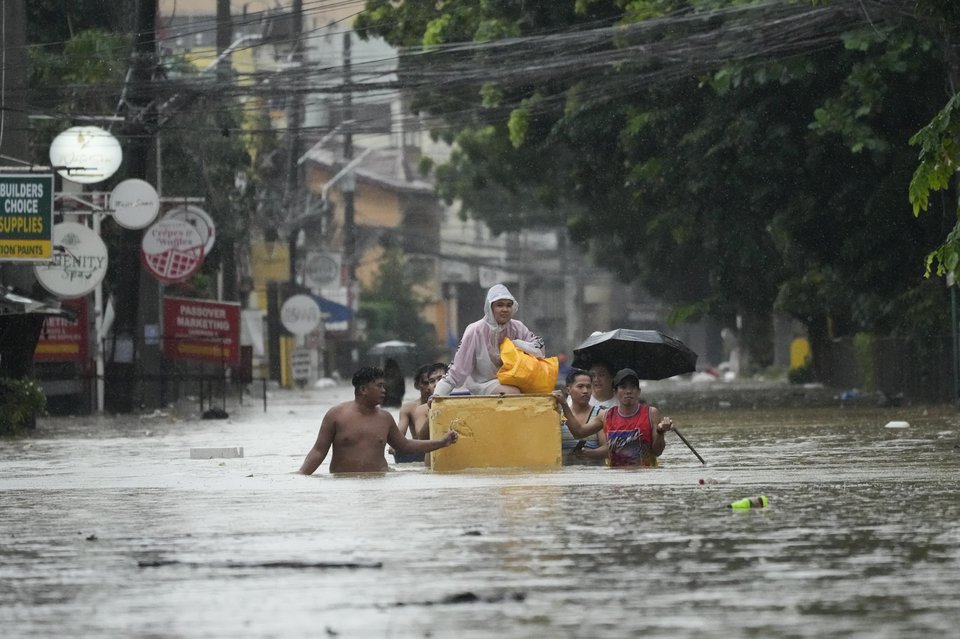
172, 250
201, 330
62, 340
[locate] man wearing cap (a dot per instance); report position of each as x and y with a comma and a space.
634, 429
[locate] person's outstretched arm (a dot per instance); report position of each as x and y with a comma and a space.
316, 455
405, 445
577, 429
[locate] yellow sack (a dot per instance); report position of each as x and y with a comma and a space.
528, 373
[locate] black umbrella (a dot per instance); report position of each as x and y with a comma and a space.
652, 354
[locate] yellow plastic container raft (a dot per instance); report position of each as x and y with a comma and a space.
510, 431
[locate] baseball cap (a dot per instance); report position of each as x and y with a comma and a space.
625, 373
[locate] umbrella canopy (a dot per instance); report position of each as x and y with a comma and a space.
652, 354
392, 347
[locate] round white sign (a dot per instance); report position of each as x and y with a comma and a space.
85, 154
199, 219
300, 314
79, 261
172, 250
321, 270
135, 203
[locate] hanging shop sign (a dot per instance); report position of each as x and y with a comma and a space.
321, 269
300, 314
62, 340
135, 203
79, 262
172, 250
199, 219
86, 154
201, 330
26, 217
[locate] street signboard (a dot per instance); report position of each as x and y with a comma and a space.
303, 364
86, 154
172, 250
79, 264
321, 269
135, 203
300, 314
26, 218
198, 219
201, 330
62, 340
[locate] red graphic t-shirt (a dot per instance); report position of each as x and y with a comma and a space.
629, 438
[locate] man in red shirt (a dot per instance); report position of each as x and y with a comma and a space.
634, 429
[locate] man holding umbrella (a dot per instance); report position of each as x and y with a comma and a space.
634, 430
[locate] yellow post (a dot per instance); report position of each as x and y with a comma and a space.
286, 369
799, 352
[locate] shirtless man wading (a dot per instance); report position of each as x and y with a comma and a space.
358, 430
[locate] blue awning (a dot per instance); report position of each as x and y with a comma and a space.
333, 312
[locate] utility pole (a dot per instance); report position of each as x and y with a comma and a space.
295, 119
349, 183
228, 264
136, 296
224, 39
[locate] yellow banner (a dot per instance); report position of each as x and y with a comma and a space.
26, 249
57, 349
212, 350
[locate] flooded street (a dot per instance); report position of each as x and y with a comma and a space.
109, 529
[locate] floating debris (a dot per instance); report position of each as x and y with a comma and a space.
298, 565
897, 425
229, 452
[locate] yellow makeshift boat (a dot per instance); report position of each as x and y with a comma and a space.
502, 431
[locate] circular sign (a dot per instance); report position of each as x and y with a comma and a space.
172, 250
79, 261
135, 203
85, 154
300, 314
199, 219
321, 270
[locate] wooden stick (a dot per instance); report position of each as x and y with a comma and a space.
688, 445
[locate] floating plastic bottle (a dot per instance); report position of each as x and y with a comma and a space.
714, 480
750, 502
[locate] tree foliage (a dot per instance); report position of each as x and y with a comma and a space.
758, 184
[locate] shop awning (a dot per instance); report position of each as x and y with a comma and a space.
333, 312
15, 304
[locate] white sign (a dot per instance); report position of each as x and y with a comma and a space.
135, 203
172, 250
300, 314
303, 364
79, 261
85, 154
321, 269
198, 219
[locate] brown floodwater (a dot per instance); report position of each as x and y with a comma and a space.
109, 529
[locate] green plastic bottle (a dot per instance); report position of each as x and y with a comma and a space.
750, 502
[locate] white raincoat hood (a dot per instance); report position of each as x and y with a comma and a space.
498, 292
